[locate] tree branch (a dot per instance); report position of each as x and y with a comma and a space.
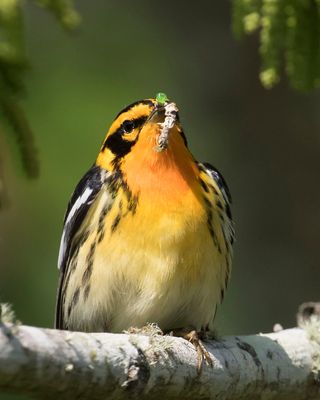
70, 365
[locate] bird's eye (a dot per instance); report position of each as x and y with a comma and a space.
128, 126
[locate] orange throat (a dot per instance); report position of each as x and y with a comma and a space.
165, 175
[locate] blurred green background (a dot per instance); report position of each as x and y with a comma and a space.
266, 144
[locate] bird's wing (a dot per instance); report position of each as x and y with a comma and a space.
214, 174
81, 200
218, 192
219, 179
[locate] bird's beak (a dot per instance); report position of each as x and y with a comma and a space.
166, 116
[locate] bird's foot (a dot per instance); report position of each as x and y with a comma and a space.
195, 337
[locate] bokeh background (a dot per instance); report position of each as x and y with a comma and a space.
266, 144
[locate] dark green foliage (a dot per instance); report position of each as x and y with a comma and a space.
13, 65
289, 35
63, 10
23, 133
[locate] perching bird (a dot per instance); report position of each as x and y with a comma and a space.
147, 234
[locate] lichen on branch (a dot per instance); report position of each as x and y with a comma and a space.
51, 364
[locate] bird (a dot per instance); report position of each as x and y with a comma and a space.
148, 233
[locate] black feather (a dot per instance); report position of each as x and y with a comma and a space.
93, 180
217, 176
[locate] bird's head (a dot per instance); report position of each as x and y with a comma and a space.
145, 129
146, 142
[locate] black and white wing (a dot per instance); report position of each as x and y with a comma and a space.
219, 179
224, 203
219, 199
81, 200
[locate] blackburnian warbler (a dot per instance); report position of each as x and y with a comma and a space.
148, 232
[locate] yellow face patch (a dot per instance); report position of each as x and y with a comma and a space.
139, 111
141, 127
124, 132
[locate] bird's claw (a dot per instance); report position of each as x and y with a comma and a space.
203, 354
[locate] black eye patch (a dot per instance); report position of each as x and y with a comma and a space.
117, 142
129, 125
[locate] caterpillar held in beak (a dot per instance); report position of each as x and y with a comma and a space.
170, 119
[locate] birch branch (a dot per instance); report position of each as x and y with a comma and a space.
52, 364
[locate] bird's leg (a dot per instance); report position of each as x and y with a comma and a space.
195, 337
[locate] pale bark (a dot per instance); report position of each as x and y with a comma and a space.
55, 364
